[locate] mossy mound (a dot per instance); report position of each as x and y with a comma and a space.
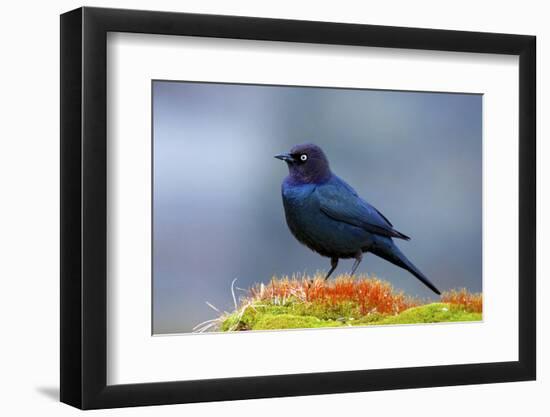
303, 302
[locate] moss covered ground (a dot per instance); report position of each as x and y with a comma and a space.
312, 302
266, 317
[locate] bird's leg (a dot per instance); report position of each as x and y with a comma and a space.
358, 259
333, 265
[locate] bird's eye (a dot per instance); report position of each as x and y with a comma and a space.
303, 158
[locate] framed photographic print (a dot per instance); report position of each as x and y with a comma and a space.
258, 207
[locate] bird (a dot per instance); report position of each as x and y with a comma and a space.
326, 214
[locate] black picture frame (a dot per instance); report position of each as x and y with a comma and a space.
84, 207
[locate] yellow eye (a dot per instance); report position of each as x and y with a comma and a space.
303, 157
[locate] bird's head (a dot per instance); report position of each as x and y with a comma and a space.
307, 164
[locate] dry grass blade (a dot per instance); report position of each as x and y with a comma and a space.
205, 323
213, 307
207, 327
233, 293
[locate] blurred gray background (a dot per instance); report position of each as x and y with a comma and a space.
218, 214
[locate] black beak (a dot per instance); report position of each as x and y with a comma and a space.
285, 157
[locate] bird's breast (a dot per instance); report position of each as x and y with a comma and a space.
300, 209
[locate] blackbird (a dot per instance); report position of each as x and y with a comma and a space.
327, 215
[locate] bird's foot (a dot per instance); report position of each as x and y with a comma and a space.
358, 259
333, 265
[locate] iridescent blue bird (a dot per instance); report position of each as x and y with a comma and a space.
327, 215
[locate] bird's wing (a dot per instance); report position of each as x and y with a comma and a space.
340, 202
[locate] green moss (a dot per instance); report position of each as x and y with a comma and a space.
371, 318
432, 313
290, 321
239, 322
303, 316
339, 311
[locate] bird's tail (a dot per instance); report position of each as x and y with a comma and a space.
387, 250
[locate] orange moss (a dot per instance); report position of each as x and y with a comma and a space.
469, 301
370, 294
